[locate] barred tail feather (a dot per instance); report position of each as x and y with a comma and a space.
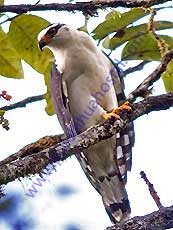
124, 139
123, 153
115, 199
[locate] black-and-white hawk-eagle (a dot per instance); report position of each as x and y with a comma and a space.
85, 87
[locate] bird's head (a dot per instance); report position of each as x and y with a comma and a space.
55, 35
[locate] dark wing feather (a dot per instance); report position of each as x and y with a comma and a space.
62, 110
60, 103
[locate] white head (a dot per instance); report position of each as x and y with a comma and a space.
56, 36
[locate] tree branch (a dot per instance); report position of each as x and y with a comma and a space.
152, 190
23, 103
36, 162
143, 89
39, 145
138, 67
162, 219
85, 7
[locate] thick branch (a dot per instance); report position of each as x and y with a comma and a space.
35, 163
162, 219
85, 7
39, 145
143, 88
23, 103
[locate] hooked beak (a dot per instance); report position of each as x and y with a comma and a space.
41, 44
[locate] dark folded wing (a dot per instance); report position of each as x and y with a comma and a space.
61, 109
60, 103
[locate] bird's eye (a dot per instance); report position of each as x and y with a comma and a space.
52, 31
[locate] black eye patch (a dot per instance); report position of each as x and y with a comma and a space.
52, 31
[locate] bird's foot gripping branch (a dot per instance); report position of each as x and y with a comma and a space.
116, 112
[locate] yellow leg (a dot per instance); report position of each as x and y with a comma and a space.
106, 116
115, 113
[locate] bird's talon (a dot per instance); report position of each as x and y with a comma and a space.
115, 113
107, 116
125, 106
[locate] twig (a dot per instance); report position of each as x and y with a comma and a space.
85, 7
23, 103
151, 189
138, 67
163, 47
36, 162
9, 19
142, 89
161, 219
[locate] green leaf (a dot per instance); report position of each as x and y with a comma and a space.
84, 28
167, 77
114, 15
10, 62
144, 48
127, 34
106, 43
2, 112
116, 21
23, 35
49, 107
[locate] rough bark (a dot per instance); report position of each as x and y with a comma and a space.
85, 7
161, 219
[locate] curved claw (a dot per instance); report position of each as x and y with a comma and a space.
125, 106
115, 113
107, 116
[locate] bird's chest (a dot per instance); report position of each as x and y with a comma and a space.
88, 100
75, 67
86, 84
